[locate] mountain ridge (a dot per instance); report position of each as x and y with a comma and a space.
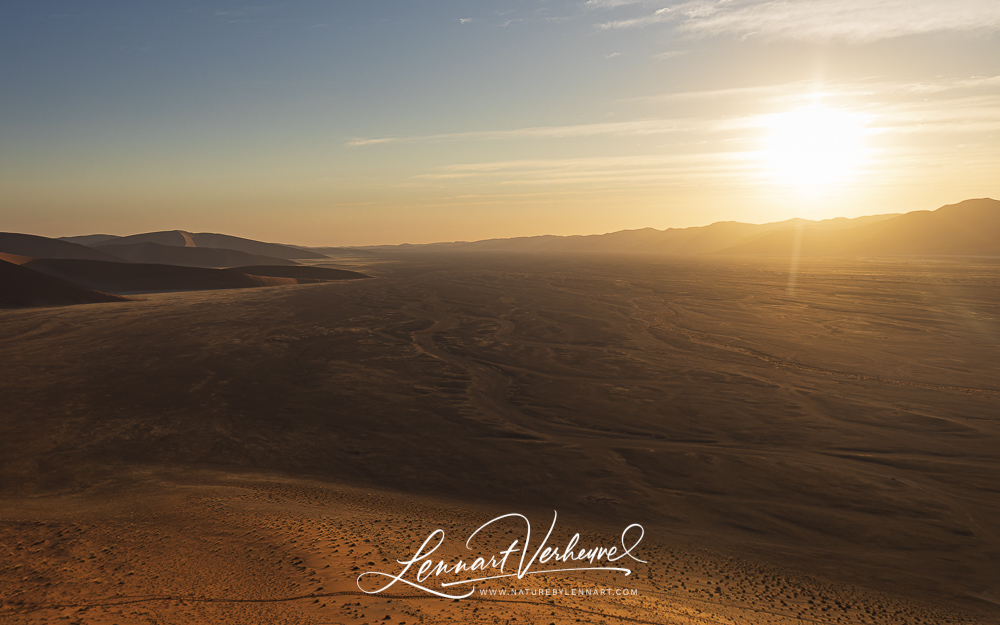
969, 227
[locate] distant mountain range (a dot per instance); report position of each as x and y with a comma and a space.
38, 270
971, 227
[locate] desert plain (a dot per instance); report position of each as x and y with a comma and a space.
813, 441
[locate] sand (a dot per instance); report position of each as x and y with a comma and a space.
203, 547
829, 438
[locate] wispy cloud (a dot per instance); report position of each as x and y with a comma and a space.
608, 4
909, 125
804, 90
592, 172
953, 84
972, 115
851, 20
743, 93
638, 127
670, 54
946, 104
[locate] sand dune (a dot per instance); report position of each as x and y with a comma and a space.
208, 239
15, 258
182, 238
90, 239
149, 252
123, 277
44, 247
142, 277
24, 287
176, 238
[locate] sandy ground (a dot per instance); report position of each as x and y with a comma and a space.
235, 549
826, 436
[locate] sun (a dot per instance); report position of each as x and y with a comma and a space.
815, 147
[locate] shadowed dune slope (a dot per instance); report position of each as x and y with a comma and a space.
23, 287
135, 277
302, 272
188, 256
17, 259
44, 247
210, 239
177, 238
91, 239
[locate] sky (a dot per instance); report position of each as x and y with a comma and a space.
412, 121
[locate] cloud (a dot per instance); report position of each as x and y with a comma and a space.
359, 142
975, 82
670, 54
974, 98
608, 4
661, 15
635, 171
808, 90
850, 20
638, 127
916, 122
970, 115
742, 93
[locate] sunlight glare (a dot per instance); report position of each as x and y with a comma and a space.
815, 147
